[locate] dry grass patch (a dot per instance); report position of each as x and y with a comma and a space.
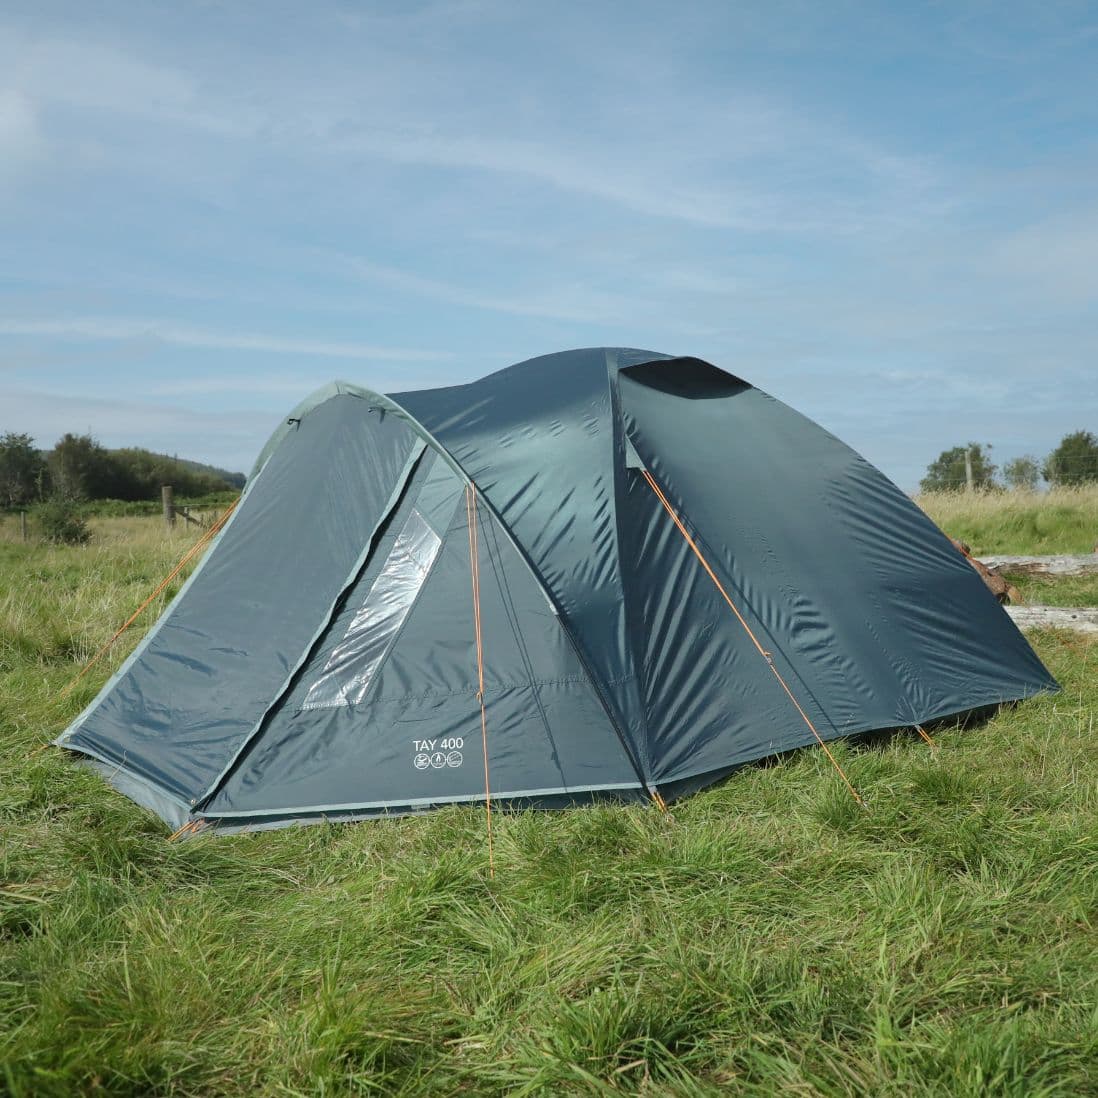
1062, 520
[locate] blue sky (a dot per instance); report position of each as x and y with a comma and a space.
884, 214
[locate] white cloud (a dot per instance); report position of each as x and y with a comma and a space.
1054, 258
577, 302
159, 331
660, 148
584, 172
292, 387
715, 168
20, 134
230, 439
97, 76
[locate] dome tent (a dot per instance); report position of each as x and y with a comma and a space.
660, 572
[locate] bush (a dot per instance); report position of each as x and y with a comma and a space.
61, 522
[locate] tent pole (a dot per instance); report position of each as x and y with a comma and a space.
474, 567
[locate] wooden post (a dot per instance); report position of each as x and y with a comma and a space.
168, 499
23, 525
968, 470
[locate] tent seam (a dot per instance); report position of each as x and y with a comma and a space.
503, 688
618, 435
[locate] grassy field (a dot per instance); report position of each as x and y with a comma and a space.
1063, 520
1057, 590
766, 937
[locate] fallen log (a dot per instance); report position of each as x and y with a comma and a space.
1080, 619
1044, 566
1003, 591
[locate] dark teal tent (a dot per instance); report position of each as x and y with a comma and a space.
669, 574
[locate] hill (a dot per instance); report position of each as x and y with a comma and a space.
233, 480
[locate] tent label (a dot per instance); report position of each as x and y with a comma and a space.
437, 754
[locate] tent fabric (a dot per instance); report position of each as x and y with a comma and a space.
205, 676
548, 732
321, 662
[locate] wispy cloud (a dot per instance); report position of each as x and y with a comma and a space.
1056, 258
157, 331
288, 387
689, 156
101, 77
292, 388
21, 139
585, 173
229, 438
577, 302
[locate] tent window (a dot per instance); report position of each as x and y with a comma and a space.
353, 663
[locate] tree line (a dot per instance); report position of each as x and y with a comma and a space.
1074, 461
78, 468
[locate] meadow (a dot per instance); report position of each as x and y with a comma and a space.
1061, 520
767, 936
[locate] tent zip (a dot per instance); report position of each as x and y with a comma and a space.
410, 466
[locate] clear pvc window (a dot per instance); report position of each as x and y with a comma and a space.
353, 663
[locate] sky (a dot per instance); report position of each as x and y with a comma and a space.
884, 214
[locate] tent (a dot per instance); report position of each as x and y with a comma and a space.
605, 573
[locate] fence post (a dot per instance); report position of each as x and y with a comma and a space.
968, 469
23, 525
168, 499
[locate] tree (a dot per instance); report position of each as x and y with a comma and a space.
80, 468
1022, 473
1074, 461
61, 522
21, 469
140, 473
947, 473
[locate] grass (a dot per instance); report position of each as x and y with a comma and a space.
214, 502
1063, 520
766, 937
1056, 590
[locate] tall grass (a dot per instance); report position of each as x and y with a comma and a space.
1056, 590
768, 936
66, 602
1062, 520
